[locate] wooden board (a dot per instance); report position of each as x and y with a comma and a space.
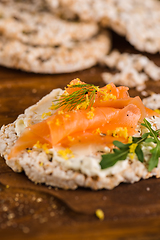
29, 211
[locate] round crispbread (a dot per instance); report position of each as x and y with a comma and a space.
38, 26
59, 59
134, 69
138, 20
37, 5
48, 168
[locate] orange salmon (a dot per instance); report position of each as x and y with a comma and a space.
112, 109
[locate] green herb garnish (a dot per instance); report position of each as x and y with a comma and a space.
153, 162
82, 98
122, 150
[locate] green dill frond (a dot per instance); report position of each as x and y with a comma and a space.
82, 98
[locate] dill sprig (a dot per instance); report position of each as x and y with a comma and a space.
123, 150
84, 97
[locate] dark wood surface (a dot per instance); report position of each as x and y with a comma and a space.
29, 211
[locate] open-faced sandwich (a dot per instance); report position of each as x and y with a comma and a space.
84, 136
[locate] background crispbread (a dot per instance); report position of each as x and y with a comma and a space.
137, 20
35, 40
135, 69
37, 5
60, 59
152, 101
56, 45
41, 27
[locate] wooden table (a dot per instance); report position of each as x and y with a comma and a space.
29, 211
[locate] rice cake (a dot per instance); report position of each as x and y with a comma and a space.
57, 59
137, 20
152, 101
51, 169
134, 69
39, 26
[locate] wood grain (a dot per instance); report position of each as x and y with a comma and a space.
29, 211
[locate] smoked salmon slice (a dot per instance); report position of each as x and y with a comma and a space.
59, 126
82, 120
106, 114
91, 137
37, 132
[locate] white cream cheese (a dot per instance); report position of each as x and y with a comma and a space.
34, 113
